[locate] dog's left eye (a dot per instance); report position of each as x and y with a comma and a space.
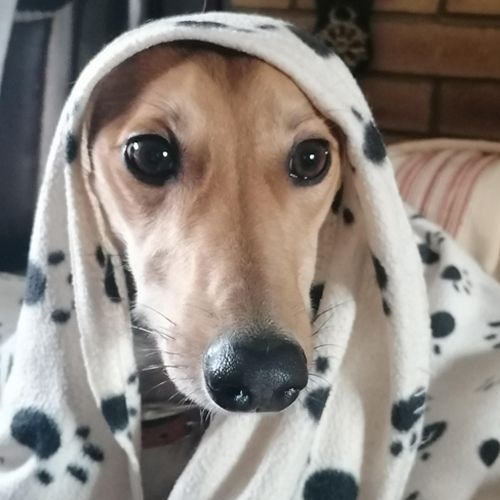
151, 158
309, 161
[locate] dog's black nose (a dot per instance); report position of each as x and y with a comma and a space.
250, 371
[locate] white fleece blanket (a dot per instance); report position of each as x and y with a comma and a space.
368, 426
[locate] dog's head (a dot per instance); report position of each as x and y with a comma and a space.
215, 174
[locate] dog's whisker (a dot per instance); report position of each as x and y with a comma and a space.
149, 351
159, 313
318, 330
160, 335
206, 411
150, 330
332, 308
312, 374
330, 317
337, 346
201, 308
93, 254
174, 395
154, 332
179, 379
161, 367
169, 353
186, 398
153, 352
205, 414
322, 313
157, 386
167, 381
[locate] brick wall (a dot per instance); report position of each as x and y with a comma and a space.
436, 66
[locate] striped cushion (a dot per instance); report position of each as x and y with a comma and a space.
455, 183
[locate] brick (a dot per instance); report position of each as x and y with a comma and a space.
305, 4
431, 48
261, 4
470, 109
415, 6
418, 6
399, 104
484, 7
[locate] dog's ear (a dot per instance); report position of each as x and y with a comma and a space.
117, 90
100, 108
110, 98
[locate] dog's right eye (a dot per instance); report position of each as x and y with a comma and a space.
151, 158
309, 162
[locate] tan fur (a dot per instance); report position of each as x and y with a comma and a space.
233, 240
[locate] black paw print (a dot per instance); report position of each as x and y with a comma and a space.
494, 336
459, 279
429, 250
430, 434
38, 431
406, 412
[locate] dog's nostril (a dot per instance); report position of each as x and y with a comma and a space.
239, 397
246, 372
290, 394
229, 396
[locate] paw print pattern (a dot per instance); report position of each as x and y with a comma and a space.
115, 412
413, 496
431, 433
38, 431
321, 364
315, 402
489, 451
405, 414
330, 483
36, 283
494, 336
38, 279
442, 324
459, 279
429, 249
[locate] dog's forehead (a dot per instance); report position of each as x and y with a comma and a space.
174, 80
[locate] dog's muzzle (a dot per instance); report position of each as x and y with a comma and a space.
248, 370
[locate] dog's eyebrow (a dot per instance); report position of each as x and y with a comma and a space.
299, 117
169, 110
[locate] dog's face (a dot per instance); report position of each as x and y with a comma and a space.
215, 174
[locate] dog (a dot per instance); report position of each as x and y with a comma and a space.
207, 164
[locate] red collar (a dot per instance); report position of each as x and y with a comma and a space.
167, 430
